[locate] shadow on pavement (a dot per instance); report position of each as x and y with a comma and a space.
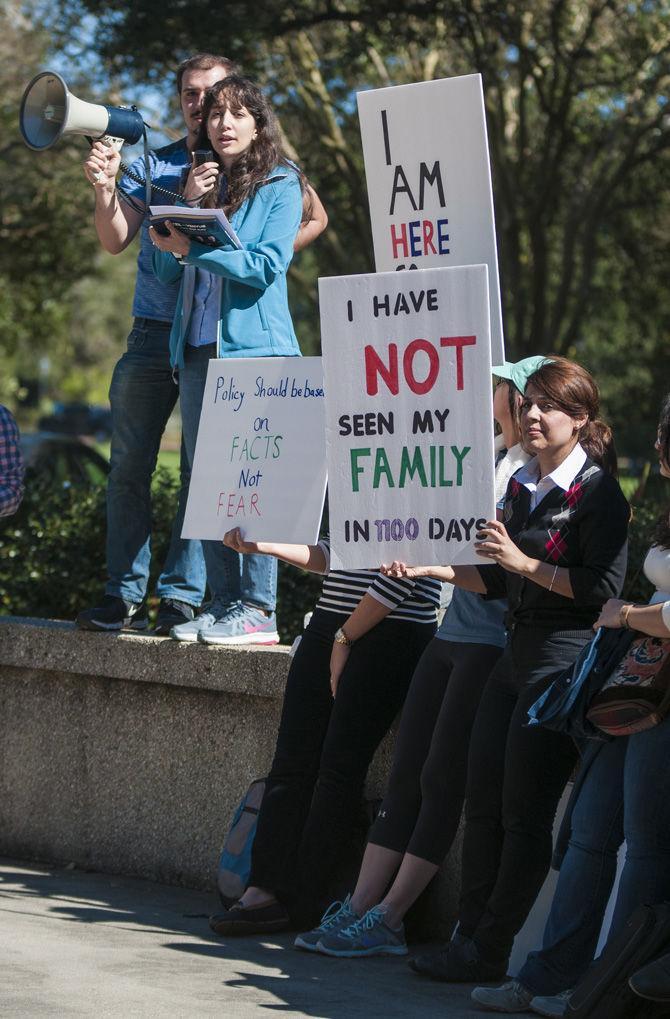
275, 976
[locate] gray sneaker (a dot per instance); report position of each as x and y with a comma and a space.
337, 916
510, 997
207, 618
241, 625
554, 1005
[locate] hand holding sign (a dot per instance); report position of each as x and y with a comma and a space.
233, 539
400, 570
495, 543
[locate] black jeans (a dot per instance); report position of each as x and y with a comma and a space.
423, 804
516, 776
324, 748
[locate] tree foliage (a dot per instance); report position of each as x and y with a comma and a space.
48, 247
578, 130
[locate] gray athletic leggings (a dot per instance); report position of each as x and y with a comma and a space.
422, 808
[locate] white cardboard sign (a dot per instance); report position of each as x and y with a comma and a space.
429, 180
260, 456
409, 415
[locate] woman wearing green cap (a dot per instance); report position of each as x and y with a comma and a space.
422, 807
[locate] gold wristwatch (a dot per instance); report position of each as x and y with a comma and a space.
341, 638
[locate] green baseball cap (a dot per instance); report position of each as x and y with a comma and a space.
520, 371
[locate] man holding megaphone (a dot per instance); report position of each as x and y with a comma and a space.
143, 390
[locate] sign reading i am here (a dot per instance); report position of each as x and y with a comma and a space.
429, 180
409, 415
260, 458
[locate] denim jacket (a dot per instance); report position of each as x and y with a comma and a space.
254, 320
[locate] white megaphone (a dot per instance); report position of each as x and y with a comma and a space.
49, 111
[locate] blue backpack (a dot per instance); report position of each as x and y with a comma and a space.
235, 860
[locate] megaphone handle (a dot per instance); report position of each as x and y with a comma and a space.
112, 143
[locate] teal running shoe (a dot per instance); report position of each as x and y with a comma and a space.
370, 935
337, 916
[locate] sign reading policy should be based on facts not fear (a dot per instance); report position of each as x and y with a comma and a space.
429, 180
409, 415
260, 456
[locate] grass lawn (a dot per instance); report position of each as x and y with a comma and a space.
167, 458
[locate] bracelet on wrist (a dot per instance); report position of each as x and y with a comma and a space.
341, 638
623, 615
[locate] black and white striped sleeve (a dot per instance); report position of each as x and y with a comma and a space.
391, 591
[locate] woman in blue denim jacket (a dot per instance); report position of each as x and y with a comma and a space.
233, 303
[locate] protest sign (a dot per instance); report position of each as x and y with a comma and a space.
409, 415
260, 457
429, 180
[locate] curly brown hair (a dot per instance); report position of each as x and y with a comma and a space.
265, 153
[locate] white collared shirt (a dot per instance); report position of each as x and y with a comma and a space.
506, 465
561, 477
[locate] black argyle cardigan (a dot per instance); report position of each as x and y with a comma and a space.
584, 529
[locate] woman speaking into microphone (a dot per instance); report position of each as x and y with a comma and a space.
233, 303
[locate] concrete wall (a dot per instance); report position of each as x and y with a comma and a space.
128, 754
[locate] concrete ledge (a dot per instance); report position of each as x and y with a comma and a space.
54, 646
128, 754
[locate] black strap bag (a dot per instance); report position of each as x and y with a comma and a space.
603, 992
565, 703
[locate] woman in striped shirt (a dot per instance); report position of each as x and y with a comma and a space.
346, 684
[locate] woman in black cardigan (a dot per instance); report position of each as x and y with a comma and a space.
558, 555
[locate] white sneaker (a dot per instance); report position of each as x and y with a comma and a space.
553, 1005
509, 997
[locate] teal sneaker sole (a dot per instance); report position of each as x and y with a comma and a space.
307, 946
353, 953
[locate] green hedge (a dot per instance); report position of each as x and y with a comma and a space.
52, 553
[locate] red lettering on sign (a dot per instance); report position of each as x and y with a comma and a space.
375, 366
433, 366
458, 342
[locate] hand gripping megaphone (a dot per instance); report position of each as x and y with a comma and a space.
49, 111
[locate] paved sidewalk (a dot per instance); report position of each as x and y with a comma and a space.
80, 944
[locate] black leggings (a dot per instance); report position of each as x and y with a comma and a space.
422, 807
516, 775
323, 752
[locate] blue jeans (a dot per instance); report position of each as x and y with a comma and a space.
231, 577
142, 395
626, 793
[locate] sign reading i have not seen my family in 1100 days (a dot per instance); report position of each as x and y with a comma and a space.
409, 415
429, 180
260, 457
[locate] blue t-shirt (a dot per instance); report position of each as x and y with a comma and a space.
154, 299
206, 308
470, 619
